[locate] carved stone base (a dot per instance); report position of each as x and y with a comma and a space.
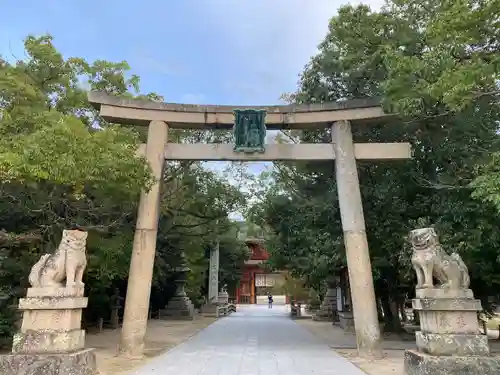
447, 344
82, 362
216, 309
223, 297
424, 364
209, 309
346, 321
448, 315
178, 308
48, 341
51, 321
328, 309
443, 293
58, 308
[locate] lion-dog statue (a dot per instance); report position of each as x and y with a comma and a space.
66, 264
430, 261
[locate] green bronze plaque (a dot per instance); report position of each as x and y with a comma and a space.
249, 130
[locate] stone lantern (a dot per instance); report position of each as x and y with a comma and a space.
180, 306
182, 273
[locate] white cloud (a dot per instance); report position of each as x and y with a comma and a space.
275, 37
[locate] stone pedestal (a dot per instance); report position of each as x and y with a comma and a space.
209, 309
328, 309
179, 307
82, 362
417, 363
223, 297
449, 340
51, 341
216, 309
346, 321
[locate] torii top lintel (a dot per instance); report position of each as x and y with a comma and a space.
191, 116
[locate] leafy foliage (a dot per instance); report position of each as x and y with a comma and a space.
62, 166
441, 78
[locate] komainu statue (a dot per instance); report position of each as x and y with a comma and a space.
66, 264
429, 260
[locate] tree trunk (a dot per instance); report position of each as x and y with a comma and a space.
391, 316
380, 310
402, 309
396, 321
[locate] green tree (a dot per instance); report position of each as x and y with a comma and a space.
403, 54
62, 166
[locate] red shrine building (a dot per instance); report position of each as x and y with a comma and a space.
256, 282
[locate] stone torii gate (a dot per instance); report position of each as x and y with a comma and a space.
159, 117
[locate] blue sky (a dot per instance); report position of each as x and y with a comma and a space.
244, 52
200, 51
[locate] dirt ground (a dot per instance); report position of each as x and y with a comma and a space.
393, 345
392, 363
345, 344
161, 336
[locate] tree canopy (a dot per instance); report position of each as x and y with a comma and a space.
63, 166
435, 64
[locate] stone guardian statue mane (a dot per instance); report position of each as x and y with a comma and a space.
66, 264
430, 261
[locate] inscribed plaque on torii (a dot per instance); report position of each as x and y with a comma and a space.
249, 130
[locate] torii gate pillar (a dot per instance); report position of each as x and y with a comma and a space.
356, 245
135, 317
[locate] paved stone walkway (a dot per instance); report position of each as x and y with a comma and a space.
253, 341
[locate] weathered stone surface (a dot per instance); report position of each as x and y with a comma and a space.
416, 363
52, 303
48, 341
443, 293
431, 262
452, 344
464, 322
60, 319
51, 341
223, 296
135, 316
328, 308
178, 308
361, 287
209, 309
67, 264
346, 320
445, 304
79, 363
213, 275
215, 309
449, 341
75, 291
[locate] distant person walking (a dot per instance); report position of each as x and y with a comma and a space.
270, 301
